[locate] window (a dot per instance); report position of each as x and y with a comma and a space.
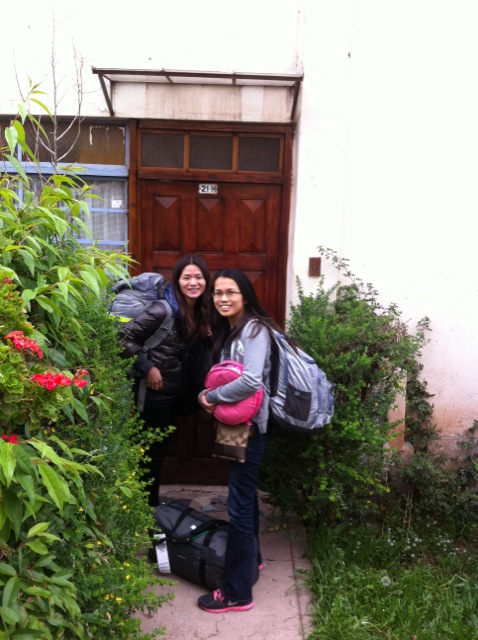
100, 153
211, 151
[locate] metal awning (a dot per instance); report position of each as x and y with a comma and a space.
110, 77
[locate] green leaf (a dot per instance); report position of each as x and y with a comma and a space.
9, 616
18, 166
65, 290
11, 591
11, 136
80, 409
8, 461
46, 451
28, 294
27, 483
61, 581
38, 547
91, 281
63, 273
40, 527
28, 259
38, 591
7, 569
28, 634
45, 303
56, 486
3, 515
13, 509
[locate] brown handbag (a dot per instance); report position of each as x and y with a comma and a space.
231, 441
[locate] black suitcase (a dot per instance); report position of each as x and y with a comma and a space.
195, 541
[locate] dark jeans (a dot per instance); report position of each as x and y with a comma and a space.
157, 415
243, 508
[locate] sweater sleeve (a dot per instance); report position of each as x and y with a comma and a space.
256, 350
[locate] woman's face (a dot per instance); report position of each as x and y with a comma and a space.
228, 300
192, 283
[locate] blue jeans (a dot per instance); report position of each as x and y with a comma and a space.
243, 509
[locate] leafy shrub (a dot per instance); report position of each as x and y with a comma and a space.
364, 348
73, 510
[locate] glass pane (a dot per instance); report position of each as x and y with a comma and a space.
108, 219
164, 150
210, 152
259, 154
83, 143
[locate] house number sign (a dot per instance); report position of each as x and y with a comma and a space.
208, 188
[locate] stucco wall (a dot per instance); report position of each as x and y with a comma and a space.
387, 169
386, 158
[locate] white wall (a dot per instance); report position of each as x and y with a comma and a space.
387, 142
388, 169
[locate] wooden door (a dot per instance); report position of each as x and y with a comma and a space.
237, 227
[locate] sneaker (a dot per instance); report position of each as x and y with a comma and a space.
216, 602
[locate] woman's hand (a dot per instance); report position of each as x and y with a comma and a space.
154, 379
207, 406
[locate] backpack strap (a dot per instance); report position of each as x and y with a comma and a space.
163, 331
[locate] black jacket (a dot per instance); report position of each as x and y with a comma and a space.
166, 357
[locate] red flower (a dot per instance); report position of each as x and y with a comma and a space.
7, 281
20, 341
51, 379
13, 439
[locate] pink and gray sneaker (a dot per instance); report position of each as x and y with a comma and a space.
217, 602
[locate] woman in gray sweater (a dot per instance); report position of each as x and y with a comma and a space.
241, 332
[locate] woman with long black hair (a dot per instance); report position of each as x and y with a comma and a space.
163, 366
241, 332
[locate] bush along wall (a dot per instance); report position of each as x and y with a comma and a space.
73, 510
364, 348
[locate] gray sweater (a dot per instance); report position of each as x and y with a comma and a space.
255, 355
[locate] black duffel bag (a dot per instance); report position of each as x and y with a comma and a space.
195, 542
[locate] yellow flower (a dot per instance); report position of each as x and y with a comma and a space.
81, 509
128, 577
98, 542
118, 600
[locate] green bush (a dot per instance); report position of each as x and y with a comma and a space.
73, 511
365, 349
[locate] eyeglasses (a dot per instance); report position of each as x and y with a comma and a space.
225, 294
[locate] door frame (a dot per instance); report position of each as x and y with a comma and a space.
283, 178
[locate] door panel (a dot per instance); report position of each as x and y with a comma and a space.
236, 228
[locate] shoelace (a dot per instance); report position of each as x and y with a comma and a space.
218, 595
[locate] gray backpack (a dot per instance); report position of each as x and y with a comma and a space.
131, 298
301, 397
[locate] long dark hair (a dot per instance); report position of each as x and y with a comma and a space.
253, 309
195, 319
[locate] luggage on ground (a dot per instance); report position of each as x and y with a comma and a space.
195, 543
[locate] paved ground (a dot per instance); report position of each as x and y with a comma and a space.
280, 597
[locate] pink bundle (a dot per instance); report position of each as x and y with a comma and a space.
232, 412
